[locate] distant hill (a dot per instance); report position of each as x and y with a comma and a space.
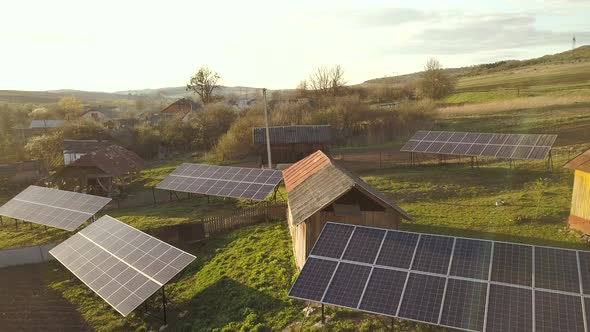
52, 96
578, 55
180, 92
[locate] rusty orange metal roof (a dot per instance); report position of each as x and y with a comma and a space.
303, 169
580, 163
113, 160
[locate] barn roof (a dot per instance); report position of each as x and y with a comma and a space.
113, 160
319, 186
304, 168
83, 146
293, 134
580, 163
182, 105
47, 124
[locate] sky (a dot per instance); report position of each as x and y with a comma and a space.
114, 45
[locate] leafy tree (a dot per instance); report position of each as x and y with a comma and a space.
46, 148
70, 106
434, 82
212, 122
204, 83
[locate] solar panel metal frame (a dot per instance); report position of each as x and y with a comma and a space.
66, 251
37, 204
508, 146
488, 282
223, 181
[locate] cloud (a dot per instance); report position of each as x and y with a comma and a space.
383, 17
483, 33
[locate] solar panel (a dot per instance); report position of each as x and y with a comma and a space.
509, 309
464, 305
237, 182
468, 284
509, 146
558, 312
347, 285
52, 207
121, 264
513, 264
332, 240
422, 298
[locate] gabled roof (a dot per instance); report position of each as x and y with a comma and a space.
580, 163
83, 146
181, 106
317, 182
304, 168
113, 160
293, 134
47, 124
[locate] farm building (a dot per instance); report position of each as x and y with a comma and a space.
38, 127
100, 113
95, 171
580, 211
75, 149
320, 191
25, 172
180, 109
290, 144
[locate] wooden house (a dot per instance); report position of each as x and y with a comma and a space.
580, 210
289, 144
75, 149
180, 110
320, 191
95, 171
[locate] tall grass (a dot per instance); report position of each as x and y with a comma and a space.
515, 104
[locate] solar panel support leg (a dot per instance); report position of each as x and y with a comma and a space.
16, 224
323, 315
392, 324
154, 195
164, 304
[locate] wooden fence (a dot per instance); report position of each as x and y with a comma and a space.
184, 234
246, 217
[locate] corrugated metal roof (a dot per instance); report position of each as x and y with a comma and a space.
326, 185
304, 168
580, 163
83, 146
47, 124
114, 160
293, 134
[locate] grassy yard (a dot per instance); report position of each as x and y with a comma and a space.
239, 282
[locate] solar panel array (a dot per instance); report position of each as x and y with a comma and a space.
52, 207
506, 146
238, 182
468, 284
121, 264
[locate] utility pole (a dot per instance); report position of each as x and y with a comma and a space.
267, 130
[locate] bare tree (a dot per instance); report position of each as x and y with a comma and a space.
435, 83
327, 81
203, 83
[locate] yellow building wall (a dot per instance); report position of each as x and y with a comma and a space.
580, 210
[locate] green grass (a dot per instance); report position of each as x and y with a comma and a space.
239, 282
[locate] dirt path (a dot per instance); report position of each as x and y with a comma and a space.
26, 304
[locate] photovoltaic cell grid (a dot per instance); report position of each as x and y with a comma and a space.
121, 264
467, 284
507, 146
52, 207
224, 181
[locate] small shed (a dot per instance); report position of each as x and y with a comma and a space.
580, 210
96, 170
75, 149
289, 144
180, 109
320, 191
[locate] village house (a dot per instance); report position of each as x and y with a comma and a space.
180, 110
